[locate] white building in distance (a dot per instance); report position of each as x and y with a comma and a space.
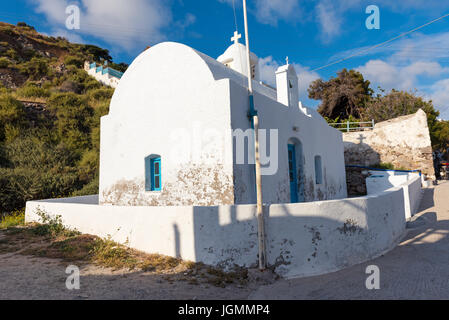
106, 76
178, 133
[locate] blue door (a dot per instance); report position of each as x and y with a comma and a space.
292, 172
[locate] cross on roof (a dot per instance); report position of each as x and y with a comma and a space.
286, 59
236, 37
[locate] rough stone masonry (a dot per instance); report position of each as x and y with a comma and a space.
403, 142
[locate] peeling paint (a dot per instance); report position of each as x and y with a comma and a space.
194, 185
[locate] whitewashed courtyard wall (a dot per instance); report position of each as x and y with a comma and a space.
302, 239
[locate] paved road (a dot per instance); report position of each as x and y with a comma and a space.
417, 269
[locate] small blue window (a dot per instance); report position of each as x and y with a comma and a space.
153, 177
318, 170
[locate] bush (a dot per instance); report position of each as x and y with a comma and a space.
4, 62
101, 94
12, 115
16, 218
73, 61
74, 116
32, 91
36, 170
36, 68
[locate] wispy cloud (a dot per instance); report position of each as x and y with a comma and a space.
128, 24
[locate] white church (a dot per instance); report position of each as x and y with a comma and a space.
178, 123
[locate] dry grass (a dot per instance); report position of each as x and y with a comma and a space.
52, 240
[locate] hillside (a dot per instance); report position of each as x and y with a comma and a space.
49, 116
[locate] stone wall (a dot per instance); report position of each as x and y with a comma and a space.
404, 142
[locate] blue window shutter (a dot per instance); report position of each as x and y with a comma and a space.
153, 174
156, 175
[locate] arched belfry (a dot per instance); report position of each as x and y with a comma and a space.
235, 58
287, 85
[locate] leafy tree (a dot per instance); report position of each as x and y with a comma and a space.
97, 53
342, 96
122, 67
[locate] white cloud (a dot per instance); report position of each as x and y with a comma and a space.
389, 76
129, 24
270, 11
439, 93
268, 67
329, 19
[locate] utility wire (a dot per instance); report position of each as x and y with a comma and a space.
380, 44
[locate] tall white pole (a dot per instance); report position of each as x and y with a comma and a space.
248, 59
255, 120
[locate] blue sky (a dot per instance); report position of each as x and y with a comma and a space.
311, 33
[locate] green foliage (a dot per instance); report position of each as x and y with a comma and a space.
12, 117
36, 170
4, 62
51, 226
33, 91
342, 96
24, 25
14, 219
54, 151
122, 67
74, 117
35, 68
73, 61
97, 54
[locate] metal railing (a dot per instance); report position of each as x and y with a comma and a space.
353, 126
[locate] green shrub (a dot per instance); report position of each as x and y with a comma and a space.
52, 226
74, 116
73, 61
36, 68
32, 91
104, 93
12, 115
36, 170
16, 218
4, 62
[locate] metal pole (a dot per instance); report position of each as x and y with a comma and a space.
255, 120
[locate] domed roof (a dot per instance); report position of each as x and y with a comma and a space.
169, 62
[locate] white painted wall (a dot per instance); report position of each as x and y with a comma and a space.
302, 239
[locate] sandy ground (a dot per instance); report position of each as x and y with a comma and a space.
25, 277
417, 269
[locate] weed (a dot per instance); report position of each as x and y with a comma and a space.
17, 218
